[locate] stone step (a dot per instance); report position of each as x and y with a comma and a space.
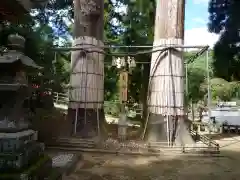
81, 145
155, 149
168, 152
185, 149
75, 140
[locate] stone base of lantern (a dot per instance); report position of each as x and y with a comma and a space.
122, 127
21, 157
41, 169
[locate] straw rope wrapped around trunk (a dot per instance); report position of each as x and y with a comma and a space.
87, 75
167, 80
166, 84
86, 95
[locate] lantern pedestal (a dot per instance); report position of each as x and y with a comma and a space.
21, 156
122, 127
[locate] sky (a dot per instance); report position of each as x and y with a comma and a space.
196, 19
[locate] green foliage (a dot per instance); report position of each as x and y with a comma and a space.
197, 82
112, 108
55, 175
220, 89
196, 76
201, 61
31, 171
135, 27
224, 20
111, 36
138, 28
40, 38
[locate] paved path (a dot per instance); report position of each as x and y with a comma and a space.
112, 167
94, 166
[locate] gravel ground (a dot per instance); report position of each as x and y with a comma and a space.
175, 167
111, 167
61, 160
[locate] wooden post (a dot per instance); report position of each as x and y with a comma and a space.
123, 86
123, 99
166, 86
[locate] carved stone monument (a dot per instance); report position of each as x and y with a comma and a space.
21, 157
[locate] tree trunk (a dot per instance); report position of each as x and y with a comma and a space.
85, 110
166, 84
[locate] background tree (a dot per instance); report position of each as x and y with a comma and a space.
224, 20
137, 25
134, 27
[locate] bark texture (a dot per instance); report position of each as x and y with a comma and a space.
88, 18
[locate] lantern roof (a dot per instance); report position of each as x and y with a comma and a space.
15, 40
12, 56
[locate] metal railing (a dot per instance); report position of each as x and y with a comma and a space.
128, 147
205, 140
60, 98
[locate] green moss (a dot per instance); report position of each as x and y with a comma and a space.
54, 175
31, 170
36, 166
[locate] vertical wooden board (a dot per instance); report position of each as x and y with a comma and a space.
123, 94
123, 79
123, 86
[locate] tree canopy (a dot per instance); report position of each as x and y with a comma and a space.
224, 20
52, 26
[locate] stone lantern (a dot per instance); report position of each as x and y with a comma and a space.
22, 157
122, 127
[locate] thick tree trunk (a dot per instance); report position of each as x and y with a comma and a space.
87, 78
166, 93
